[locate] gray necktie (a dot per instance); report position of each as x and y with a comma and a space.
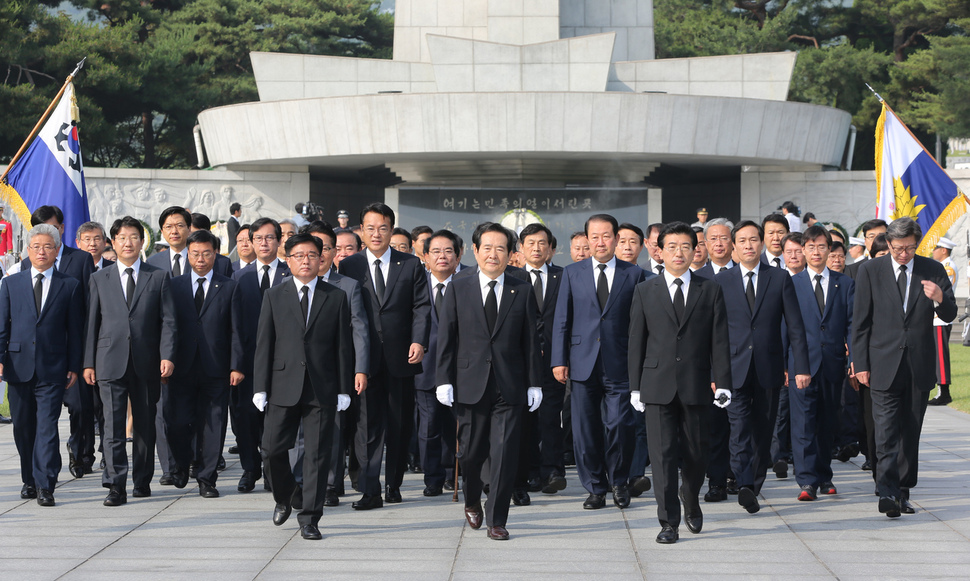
177, 267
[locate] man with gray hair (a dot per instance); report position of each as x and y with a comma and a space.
40, 306
892, 351
717, 238
92, 238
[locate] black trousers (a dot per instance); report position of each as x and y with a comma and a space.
528, 466
196, 413
551, 431
80, 405
897, 413
782, 436
280, 432
386, 416
752, 414
489, 430
677, 435
247, 424
432, 437
719, 456
115, 394
35, 408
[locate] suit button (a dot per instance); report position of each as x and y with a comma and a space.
489, 361
678, 358
823, 327
679, 337
750, 347
597, 339
303, 363
493, 342
131, 318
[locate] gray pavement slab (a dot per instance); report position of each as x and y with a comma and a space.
176, 533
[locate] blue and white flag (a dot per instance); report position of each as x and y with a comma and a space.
912, 184
50, 173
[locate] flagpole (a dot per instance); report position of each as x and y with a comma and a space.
33, 133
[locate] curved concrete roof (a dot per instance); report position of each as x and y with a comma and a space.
634, 130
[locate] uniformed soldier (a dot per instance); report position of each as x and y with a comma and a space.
944, 247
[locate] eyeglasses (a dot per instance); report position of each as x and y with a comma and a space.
301, 256
814, 247
674, 248
269, 238
132, 239
44, 247
90, 239
206, 255
372, 230
442, 252
177, 226
902, 249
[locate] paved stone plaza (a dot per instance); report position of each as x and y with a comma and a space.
175, 534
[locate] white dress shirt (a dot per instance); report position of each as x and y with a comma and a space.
272, 270
771, 259
610, 271
909, 278
434, 287
672, 288
826, 274
385, 265
754, 279
45, 284
543, 276
299, 294
483, 281
184, 253
205, 285
136, 267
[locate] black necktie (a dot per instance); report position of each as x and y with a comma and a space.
679, 300
264, 284
602, 287
130, 285
491, 306
537, 286
39, 292
439, 297
819, 293
379, 280
305, 303
749, 291
660, 269
901, 283
723, 268
777, 262
199, 296
177, 267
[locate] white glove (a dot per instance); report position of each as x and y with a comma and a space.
445, 394
635, 401
343, 401
717, 396
259, 400
535, 398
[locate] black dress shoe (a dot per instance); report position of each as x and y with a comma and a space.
221, 464
595, 501
331, 498
368, 502
474, 516
621, 496
555, 483
393, 495
89, 468
310, 532
889, 506
668, 535
28, 491
432, 491
535, 485
867, 466
247, 482
75, 468
166, 480
850, 450
233, 449
207, 491
193, 471
180, 478
521, 498
780, 468
732, 486
485, 488
568, 458
5, 420
940, 400
141, 492
296, 500
639, 485
905, 507
693, 517
748, 499
715, 494
497, 533
116, 497
281, 513
449, 485
45, 498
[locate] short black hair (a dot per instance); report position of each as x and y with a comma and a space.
127, 222
260, 222
243, 227
235, 207
878, 245
777, 219
202, 237
451, 236
795, 237
601, 218
352, 233
378, 208
677, 228
201, 221
402, 232
808, 216
791, 207
633, 228
174, 210
833, 233
417, 231
836, 245
320, 227
576, 235
493, 227
813, 232
533, 229
302, 239
658, 226
45, 213
553, 242
745, 224
872, 224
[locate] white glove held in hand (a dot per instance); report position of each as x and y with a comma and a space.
635, 401
343, 401
259, 400
535, 398
717, 396
445, 394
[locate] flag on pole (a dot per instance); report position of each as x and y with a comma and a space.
51, 172
912, 184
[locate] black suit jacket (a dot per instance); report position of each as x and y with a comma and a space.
667, 357
468, 353
852, 270
427, 379
882, 333
288, 350
247, 280
403, 318
146, 331
232, 228
707, 271
210, 337
547, 316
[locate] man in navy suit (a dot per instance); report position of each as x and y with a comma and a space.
759, 298
825, 298
589, 346
254, 280
436, 426
209, 316
489, 367
395, 287
41, 321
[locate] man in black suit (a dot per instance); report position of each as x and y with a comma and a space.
759, 298
302, 378
233, 224
222, 265
870, 229
489, 365
395, 287
129, 346
209, 358
244, 249
41, 322
436, 427
254, 280
775, 227
678, 344
893, 353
